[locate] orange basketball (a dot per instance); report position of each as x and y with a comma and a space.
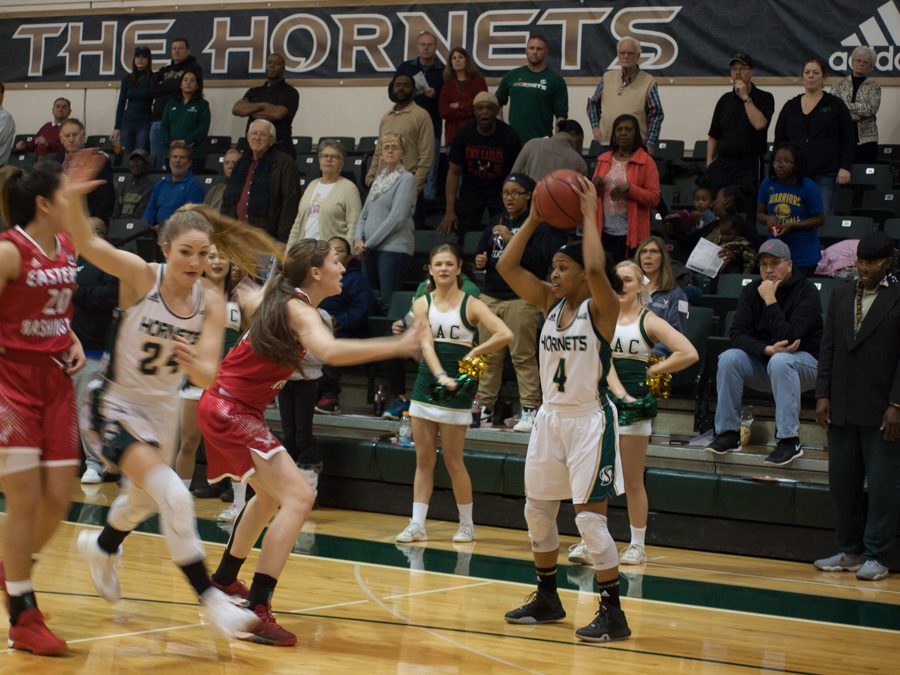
556, 200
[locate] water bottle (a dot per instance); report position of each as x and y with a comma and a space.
746, 424
476, 413
404, 435
379, 401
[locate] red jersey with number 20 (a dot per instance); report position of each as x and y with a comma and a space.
36, 306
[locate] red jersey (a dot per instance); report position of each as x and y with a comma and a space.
250, 378
36, 306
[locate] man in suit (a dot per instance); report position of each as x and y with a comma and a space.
858, 403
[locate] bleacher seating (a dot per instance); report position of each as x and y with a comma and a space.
366, 144
213, 163
208, 181
22, 137
837, 228
667, 148
892, 229
879, 205
217, 145
355, 170
698, 328
99, 141
348, 142
22, 159
302, 144
470, 243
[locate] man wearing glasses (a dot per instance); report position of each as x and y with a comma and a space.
626, 90
737, 134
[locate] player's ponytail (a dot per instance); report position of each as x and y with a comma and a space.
20, 188
243, 244
271, 335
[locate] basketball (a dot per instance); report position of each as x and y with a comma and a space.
556, 200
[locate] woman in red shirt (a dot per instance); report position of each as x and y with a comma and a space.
627, 188
462, 82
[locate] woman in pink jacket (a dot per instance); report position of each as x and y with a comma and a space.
627, 188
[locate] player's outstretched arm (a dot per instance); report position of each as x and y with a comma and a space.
532, 290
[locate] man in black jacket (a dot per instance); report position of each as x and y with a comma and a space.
101, 201
776, 332
165, 85
858, 403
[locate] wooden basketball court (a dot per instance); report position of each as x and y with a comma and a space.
350, 595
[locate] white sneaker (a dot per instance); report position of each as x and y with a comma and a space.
464, 533
91, 477
632, 555
413, 532
230, 514
526, 421
102, 565
226, 617
311, 476
579, 554
487, 416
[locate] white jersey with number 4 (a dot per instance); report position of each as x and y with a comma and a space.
572, 358
142, 355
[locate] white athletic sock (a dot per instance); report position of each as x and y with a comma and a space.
240, 494
420, 512
637, 536
465, 513
187, 483
17, 588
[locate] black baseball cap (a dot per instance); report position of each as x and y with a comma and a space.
875, 246
741, 57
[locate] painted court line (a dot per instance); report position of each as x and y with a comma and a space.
436, 590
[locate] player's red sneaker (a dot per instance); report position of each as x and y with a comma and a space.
269, 632
31, 634
237, 591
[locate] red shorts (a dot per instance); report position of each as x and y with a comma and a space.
231, 431
37, 408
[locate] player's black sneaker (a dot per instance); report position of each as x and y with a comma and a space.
539, 607
609, 624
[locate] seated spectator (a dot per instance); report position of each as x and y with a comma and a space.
46, 140
667, 299
330, 205
101, 202
481, 156
627, 183
7, 130
186, 118
727, 202
790, 206
462, 83
216, 193
349, 319
384, 233
134, 111
739, 254
541, 156
700, 215
175, 190
776, 333
275, 100
522, 317
133, 195
264, 187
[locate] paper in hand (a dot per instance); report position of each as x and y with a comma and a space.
421, 82
705, 258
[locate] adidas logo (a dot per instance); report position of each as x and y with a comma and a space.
881, 32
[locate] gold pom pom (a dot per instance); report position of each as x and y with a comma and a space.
658, 385
474, 366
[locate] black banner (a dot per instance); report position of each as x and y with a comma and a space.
679, 40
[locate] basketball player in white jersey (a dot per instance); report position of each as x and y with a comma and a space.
573, 451
169, 325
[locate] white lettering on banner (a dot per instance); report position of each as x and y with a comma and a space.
37, 34
502, 49
133, 35
223, 44
77, 47
571, 20
372, 45
319, 43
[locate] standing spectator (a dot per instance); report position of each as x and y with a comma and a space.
427, 72
96, 296
384, 233
216, 193
862, 97
133, 195
134, 111
522, 317
172, 192
737, 134
776, 332
275, 101
101, 202
264, 188
858, 403
462, 83
166, 85
409, 121
46, 140
667, 300
187, 118
7, 130
349, 319
820, 125
626, 90
481, 156
627, 188
330, 205
542, 156
790, 207
535, 92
